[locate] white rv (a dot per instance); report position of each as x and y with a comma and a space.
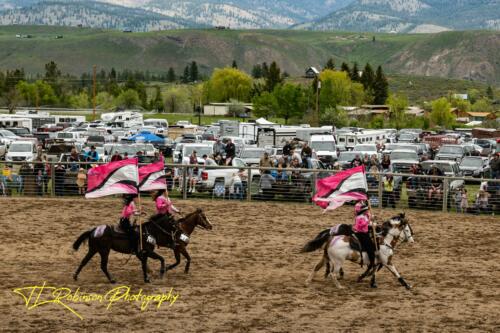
161, 125
16, 122
123, 119
348, 140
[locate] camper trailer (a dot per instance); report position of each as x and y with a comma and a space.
348, 140
123, 119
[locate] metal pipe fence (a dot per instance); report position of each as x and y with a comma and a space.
406, 191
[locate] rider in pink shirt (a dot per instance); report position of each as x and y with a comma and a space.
164, 213
128, 210
361, 230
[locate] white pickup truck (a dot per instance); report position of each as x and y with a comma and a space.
209, 176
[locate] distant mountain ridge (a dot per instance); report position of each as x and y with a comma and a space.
403, 16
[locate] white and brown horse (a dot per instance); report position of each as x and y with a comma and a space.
337, 250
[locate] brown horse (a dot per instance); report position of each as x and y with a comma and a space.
186, 226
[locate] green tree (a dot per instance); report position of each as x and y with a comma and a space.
128, 99
52, 76
398, 105
461, 104
185, 78
291, 101
473, 95
335, 89
358, 95
337, 117
171, 77
104, 100
176, 100
37, 93
355, 73
157, 102
273, 77
257, 71
345, 68
489, 93
482, 105
234, 64
79, 101
377, 122
265, 105
367, 79
193, 72
441, 113
330, 64
380, 87
228, 83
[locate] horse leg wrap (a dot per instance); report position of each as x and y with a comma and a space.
403, 282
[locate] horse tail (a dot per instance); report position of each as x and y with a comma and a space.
317, 242
79, 241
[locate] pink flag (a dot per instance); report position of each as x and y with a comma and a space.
332, 192
120, 177
152, 176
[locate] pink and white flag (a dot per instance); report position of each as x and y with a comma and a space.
120, 177
350, 185
152, 177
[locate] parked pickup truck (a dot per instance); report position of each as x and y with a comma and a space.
210, 175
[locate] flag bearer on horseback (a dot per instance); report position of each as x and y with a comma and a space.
362, 222
129, 209
165, 209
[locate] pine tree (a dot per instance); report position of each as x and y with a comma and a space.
193, 72
273, 77
345, 68
355, 73
157, 103
380, 87
257, 71
368, 77
265, 69
171, 75
489, 93
330, 64
185, 77
234, 65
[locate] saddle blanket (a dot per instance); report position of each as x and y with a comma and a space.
99, 231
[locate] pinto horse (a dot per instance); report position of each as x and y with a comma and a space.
338, 250
185, 227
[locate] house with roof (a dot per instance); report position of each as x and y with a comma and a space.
311, 73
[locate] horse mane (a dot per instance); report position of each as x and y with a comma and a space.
197, 211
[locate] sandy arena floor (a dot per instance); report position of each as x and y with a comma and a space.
247, 275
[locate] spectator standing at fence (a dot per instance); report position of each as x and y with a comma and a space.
39, 183
219, 148
74, 158
356, 161
296, 156
81, 179
282, 174
495, 166
25, 172
287, 150
386, 163
193, 172
306, 155
59, 176
374, 161
116, 157
265, 162
464, 201
436, 184
235, 187
388, 196
482, 202
230, 151
266, 185
92, 155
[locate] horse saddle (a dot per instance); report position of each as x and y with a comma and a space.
354, 243
118, 231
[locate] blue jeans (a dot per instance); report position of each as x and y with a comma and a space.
238, 191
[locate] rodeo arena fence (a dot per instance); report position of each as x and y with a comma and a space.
385, 190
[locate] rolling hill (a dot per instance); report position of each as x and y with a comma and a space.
462, 55
410, 16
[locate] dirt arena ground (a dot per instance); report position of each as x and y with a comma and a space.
247, 275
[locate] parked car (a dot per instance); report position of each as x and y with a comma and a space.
3, 150
251, 155
209, 176
402, 160
452, 153
475, 166
7, 137
21, 151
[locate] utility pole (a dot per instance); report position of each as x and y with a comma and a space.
93, 91
316, 114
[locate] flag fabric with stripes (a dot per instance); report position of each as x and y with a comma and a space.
152, 176
120, 177
350, 185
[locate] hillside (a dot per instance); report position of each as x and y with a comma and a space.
411, 16
91, 14
149, 15
469, 55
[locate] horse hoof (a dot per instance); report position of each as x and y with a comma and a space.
360, 278
408, 287
75, 277
112, 281
147, 280
373, 285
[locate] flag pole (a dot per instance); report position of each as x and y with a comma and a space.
140, 220
373, 227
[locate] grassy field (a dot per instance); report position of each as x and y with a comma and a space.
451, 54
